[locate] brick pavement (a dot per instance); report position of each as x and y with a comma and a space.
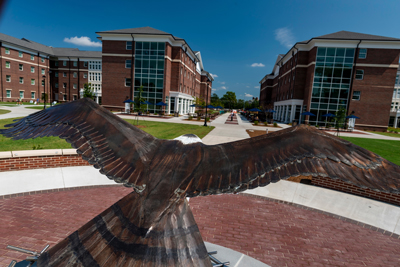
275, 233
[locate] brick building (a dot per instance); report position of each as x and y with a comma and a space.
29, 69
162, 64
344, 69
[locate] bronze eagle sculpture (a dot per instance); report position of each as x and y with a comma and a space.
153, 225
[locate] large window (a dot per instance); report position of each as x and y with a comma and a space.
356, 95
129, 45
32, 69
7, 53
7, 64
362, 53
128, 63
149, 72
8, 93
359, 74
33, 95
333, 71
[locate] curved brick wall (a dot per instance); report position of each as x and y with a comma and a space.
40, 162
16, 163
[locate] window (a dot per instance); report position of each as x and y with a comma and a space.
21, 80
362, 53
42, 59
21, 94
42, 82
21, 67
128, 81
32, 57
32, 69
85, 63
7, 53
8, 78
56, 63
129, 45
359, 74
56, 85
356, 95
64, 74
75, 75
33, 95
75, 63
56, 74
85, 75
397, 79
64, 97
7, 64
43, 71
32, 81
74, 86
75, 97
128, 63
64, 85
64, 63
20, 54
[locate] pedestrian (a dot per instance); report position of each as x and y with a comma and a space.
232, 115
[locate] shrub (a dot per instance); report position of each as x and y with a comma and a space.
266, 123
208, 119
198, 118
190, 118
255, 122
275, 124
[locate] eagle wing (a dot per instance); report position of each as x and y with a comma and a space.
296, 151
120, 150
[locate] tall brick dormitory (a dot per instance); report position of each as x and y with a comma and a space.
359, 72
164, 65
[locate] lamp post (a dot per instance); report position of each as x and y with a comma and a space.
44, 95
205, 118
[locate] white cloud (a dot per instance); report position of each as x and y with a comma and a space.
257, 87
222, 82
223, 87
257, 65
213, 89
247, 86
82, 41
285, 37
214, 75
248, 95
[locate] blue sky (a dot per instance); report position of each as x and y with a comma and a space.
239, 40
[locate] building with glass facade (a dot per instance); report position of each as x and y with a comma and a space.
154, 64
342, 70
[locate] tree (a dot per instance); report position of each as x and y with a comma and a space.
140, 99
215, 101
230, 98
340, 118
88, 91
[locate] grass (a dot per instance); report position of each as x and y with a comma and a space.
387, 149
162, 130
37, 107
166, 130
3, 111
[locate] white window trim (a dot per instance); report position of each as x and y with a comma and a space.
359, 53
9, 64
10, 93
33, 80
21, 67
20, 80
362, 75
126, 80
7, 77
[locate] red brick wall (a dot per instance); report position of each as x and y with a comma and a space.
338, 185
114, 73
41, 162
15, 73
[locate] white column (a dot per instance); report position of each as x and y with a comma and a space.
185, 110
293, 113
176, 104
169, 106
395, 120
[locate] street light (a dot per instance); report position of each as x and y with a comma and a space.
44, 96
205, 118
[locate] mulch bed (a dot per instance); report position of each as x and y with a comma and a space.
254, 133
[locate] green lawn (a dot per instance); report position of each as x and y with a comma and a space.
162, 130
37, 107
3, 111
387, 149
386, 134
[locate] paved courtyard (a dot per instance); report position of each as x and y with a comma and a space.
274, 233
